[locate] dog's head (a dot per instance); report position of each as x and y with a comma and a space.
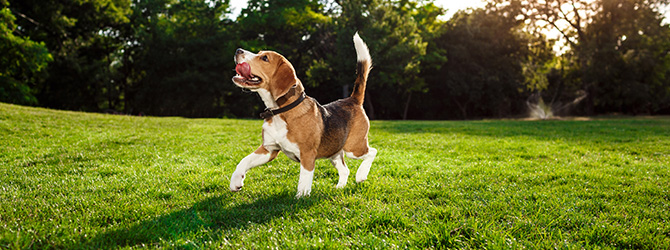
267, 70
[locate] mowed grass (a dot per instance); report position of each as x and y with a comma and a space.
79, 180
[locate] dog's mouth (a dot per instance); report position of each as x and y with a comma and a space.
244, 75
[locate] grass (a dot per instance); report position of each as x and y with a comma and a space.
80, 180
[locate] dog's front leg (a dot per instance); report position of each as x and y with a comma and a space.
307, 163
257, 158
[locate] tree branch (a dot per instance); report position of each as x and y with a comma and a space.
25, 17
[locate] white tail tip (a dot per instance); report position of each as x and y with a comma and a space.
362, 52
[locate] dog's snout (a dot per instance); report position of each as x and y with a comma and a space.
239, 55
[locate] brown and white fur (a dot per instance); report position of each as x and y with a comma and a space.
309, 131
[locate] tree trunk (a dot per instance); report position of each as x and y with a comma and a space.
409, 99
463, 109
369, 109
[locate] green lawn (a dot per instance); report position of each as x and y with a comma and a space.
79, 180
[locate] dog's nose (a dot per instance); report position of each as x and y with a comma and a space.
239, 51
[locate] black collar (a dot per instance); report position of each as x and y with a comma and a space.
269, 113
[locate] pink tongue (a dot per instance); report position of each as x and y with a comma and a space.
244, 70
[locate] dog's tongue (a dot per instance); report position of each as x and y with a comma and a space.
244, 70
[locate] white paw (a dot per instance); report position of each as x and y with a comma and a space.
304, 182
236, 182
303, 193
343, 179
361, 175
344, 175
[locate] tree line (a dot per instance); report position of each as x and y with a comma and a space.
175, 57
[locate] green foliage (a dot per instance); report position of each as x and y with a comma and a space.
617, 57
21, 62
81, 180
173, 57
81, 36
292, 28
286, 26
391, 31
482, 74
299, 30
177, 60
636, 78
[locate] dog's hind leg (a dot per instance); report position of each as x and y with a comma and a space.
368, 157
338, 161
257, 158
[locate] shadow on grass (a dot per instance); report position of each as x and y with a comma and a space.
207, 220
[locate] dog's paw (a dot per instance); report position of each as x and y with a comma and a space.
342, 183
236, 182
344, 175
303, 193
361, 179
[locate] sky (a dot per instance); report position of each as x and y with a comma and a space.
452, 6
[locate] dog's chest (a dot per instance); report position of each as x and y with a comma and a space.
274, 138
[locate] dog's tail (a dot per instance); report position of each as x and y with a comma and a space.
363, 67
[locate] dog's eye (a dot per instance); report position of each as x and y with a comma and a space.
265, 58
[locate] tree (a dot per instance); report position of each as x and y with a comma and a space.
482, 76
177, 58
390, 30
302, 31
316, 38
593, 31
80, 36
630, 65
569, 18
21, 63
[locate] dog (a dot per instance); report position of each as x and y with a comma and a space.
298, 125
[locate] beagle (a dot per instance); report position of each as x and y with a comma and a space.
298, 125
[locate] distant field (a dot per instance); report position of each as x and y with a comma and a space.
80, 180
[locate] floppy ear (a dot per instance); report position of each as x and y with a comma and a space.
283, 79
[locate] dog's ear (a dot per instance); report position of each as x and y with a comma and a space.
283, 79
